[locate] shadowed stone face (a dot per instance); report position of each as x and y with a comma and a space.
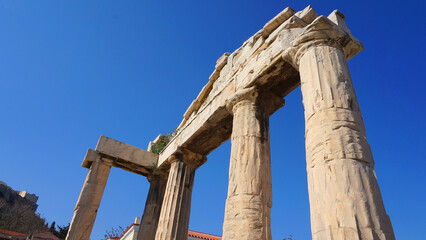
154, 201
176, 207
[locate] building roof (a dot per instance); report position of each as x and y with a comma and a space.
128, 228
205, 236
8, 234
44, 236
194, 234
11, 233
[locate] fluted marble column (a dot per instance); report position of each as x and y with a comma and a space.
151, 214
88, 202
344, 195
249, 201
176, 207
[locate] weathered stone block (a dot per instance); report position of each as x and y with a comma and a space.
126, 152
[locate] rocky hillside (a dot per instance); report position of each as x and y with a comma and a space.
17, 211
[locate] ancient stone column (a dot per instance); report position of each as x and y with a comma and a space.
344, 195
151, 214
176, 208
249, 201
88, 202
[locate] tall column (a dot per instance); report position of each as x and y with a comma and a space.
176, 208
88, 202
151, 214
344, 195
249, 201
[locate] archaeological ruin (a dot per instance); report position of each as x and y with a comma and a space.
245, 89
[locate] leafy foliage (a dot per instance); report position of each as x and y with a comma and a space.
162, 142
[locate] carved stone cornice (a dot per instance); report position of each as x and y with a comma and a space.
330, 31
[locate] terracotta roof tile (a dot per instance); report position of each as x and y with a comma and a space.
12, 233
44, 236
205, 236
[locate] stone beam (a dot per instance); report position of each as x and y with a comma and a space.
124, 156
261, 63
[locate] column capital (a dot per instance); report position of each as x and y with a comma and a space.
105, 160
328, 31
267, 100
187, 156
95, 156
157, 175
249, 95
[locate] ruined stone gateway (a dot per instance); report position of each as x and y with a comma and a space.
245, 89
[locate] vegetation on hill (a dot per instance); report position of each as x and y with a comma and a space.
19, 214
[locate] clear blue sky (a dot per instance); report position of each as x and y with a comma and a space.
71, 71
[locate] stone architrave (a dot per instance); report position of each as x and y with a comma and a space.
151, 214
176, 207
344, 195
249, 201
90, 198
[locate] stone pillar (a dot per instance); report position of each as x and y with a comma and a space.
88, 202
344, 195
249, 201
176, 208
151, 214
